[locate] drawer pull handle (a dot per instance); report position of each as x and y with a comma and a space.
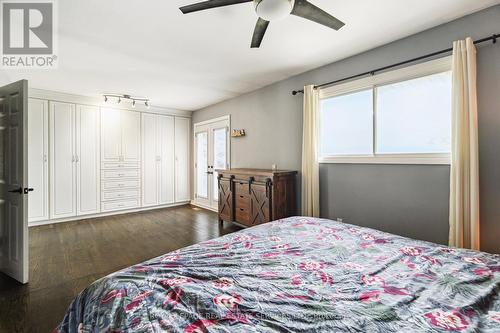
241, 196
241, 209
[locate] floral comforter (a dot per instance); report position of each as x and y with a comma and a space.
298, 275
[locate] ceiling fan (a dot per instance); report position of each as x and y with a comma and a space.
271, 10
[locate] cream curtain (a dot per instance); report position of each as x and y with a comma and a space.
310, 166
464, 182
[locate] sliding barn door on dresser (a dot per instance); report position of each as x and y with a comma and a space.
38, 155
182, 130
62, 160
120, 159
87, 160
157, 159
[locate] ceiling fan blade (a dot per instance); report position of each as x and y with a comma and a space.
307, 10
209, 5
259, 32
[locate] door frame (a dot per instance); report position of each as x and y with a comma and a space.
207, 203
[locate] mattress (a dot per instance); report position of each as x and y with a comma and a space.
298, 275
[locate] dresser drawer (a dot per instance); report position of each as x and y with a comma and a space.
119, 205
124, 173
242, 201
118, 195
121, 184
120, 165
242, 215
241, 189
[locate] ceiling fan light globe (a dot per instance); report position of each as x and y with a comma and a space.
272, 10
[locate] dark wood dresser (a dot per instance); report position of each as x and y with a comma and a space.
254, 196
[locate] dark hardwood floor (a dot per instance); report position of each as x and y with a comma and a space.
67, 257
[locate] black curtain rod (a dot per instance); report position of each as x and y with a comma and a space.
374, 71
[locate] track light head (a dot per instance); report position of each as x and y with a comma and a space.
147, 104
119, 100
105, 99
133, 103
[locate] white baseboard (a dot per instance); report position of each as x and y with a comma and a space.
121, 212
197, 204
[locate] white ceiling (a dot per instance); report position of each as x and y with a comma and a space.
190, 61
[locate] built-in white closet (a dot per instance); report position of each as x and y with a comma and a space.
74, 160
158, 159
121, 155
182, 130
88, 182
86, 160
38, 157
62, 160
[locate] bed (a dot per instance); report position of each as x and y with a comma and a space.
298, 275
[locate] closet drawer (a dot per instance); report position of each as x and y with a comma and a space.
121, 184
125, 173
119, 205
120, 165
119, 195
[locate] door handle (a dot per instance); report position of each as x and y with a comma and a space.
21, 190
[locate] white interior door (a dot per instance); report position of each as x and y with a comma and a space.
201, 155
166, 137
13, 180
62, 160
150, 159
38, 154
219, 156
211, 147
87, 160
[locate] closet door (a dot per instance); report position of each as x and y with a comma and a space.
87, 160
150, 159
111, 135
166, 144
62, 160
38, 168
131, 136
182, 192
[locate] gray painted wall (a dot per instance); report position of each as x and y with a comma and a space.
402, 199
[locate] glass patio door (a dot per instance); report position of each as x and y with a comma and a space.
211, 140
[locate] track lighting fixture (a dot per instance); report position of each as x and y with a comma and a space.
133, 99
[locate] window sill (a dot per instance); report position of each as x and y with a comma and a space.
436, 159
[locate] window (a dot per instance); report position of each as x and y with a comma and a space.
403, 116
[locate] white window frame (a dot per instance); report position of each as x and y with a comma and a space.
408, 73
